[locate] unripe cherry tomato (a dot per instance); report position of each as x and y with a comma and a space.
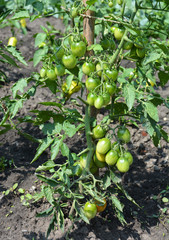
101, 206
122, 164
43, 72
69, 61
123, 134
12, 41
111, 157
99, 102
98, 132
51, 74
59, 70
78, 48
88, 68
111, 88
118, 33
23, 22
90, 210
103, 145
91, 98
92, 83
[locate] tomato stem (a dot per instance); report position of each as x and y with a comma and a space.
88, 137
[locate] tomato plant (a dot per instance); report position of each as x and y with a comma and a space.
111, 98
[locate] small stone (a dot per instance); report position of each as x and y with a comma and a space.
165, 119
156, 168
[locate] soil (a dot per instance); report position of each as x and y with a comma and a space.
148, 176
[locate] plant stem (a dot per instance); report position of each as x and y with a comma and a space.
88, 137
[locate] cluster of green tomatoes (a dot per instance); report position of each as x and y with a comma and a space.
106, 153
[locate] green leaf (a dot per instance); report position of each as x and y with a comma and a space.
51, 225
40, 37
91, 2
151, 110
19, 86
61, 219
45, 213
95, 47
42, 147
64, 149
116, 178
129, 95
116, 203
51, 182
20, 14
55, 148
69, 129
106, 180
46, 166
48, 193
39, 54
16, 54
15, 107
9, 59
164, 78
151, 57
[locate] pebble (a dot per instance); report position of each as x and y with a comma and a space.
156, 168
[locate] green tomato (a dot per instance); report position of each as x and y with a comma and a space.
42, 44
127, 45
105, 43
98, 163
111, 157
106, 97
100, 68
99, 102
92, 83
90, 210
94, 169
111, 88
111, 74
98, 132
74, 12
83, 160
51, 74
59, 52
140, 52
59, 70
128, 156
123, 134
88, 68
111, 4
113, 29
103, 145
78, 48
118, 33
43, 72
91, 98
12, 41
69, 61
122, 164
120, 2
